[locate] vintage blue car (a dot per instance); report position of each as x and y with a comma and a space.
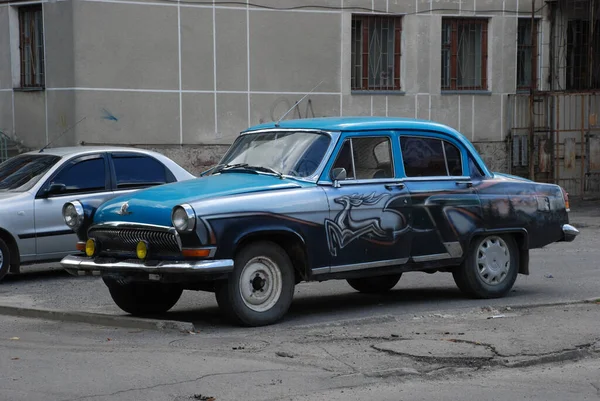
360, 199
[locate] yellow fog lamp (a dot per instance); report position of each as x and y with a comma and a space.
142, 250
90, 247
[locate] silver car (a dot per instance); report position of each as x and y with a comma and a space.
34, 187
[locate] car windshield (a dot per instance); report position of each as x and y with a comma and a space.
20, 173
291, 153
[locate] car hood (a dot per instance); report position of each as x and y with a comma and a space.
154, 205
6, 197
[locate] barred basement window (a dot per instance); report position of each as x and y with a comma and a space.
527, 54
464, 54
31, 45
376, 52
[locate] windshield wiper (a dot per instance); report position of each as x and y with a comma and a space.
246, 166
222, 167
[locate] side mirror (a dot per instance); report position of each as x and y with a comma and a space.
56, 189
338, 174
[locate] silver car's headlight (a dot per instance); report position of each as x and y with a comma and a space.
183, 218
73, 214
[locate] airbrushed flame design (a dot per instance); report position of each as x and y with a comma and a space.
345, 228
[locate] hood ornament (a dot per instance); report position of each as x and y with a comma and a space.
124, 210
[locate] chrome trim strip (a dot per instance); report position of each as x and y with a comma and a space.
134, 226
428, 258
359, 266
79, 263
438, 178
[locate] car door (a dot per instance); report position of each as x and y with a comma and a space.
445, 206
81, 178
369, 209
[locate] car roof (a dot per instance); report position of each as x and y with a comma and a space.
74, 150
350, 124
356, 124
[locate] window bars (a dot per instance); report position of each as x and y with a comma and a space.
464, 54
376, 52
31, 28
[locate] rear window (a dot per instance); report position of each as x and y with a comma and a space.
134, 171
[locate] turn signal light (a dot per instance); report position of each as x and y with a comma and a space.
196, 253
80, 246
566, 199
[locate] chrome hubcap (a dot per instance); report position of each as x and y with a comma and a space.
493, 260
260, 284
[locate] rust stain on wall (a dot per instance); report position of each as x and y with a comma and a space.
594, 154
570, 153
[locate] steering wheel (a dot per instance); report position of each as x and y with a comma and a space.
309, 165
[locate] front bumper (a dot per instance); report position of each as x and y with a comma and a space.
569, 232
80, 265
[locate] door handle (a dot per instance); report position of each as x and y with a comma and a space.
393, 186
468, 184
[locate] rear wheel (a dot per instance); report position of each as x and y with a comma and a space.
374, 285
490, 269
143, 298
260, 289
4, 259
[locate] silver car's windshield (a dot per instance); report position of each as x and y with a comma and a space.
296, 154
20, 173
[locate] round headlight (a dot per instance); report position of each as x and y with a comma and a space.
73, 214
183, 218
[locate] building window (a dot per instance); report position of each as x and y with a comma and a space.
579, 42
464, 54
31, 44
376, 52
527, 54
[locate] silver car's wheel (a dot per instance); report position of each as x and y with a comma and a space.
490, 268
260, 284
4, 259
493, 260
260, 289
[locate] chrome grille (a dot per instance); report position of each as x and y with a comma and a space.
126, 239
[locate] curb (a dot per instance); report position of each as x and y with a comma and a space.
128, 322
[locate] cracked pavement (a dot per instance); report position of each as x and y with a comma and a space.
343, 360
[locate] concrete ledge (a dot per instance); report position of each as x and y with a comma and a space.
97, 319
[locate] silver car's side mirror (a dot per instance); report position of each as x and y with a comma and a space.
337, 175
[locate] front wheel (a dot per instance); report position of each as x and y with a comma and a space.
4, 259
260, 289
143, 298
374, 285
490, 269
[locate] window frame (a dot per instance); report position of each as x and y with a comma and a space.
351, 181
29, 11
169, 176
365, 20
535, 53
455, 23
461, 152
42, 192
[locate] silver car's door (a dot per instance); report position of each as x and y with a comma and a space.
81, 178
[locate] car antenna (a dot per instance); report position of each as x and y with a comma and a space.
297, 103
60, 136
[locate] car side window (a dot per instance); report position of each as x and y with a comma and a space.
475, 169
430, 157
133, 171
366, 158
85, 176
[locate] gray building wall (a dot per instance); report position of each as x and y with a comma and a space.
185, 78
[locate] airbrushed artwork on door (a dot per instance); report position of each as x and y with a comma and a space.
361, 217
